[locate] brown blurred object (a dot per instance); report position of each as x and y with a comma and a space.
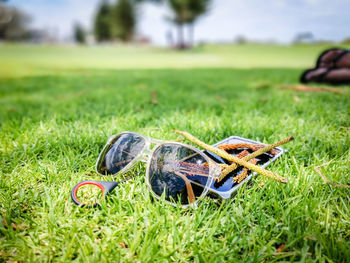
305, 88
280, 248
332, 67
317, 169
154, 97
123, 245
296, 99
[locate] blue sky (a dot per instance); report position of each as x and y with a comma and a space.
277, 20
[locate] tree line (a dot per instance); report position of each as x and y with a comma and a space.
13, 23
114, 20
118, 20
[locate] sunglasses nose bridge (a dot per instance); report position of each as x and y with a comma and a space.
145, 155
156, 141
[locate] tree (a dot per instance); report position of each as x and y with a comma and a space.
13, 24
117, 20
79, 34
102, 27
346, 41
180, 12
197, 8
124, 19
187, 12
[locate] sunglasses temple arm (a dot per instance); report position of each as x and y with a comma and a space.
189, 188
188, 157
108, 186
156, 141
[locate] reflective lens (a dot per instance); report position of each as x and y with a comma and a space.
120, 153
181, 173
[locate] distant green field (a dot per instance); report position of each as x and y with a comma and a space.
19, 60
60, 104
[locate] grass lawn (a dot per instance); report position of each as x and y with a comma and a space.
60, 104
29, 60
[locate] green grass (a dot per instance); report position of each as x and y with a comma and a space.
53, 125
29, 60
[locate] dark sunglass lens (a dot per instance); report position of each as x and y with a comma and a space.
120, 153
179, 172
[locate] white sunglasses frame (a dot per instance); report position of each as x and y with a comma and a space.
145, 156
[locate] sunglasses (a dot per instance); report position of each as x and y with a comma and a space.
177, 171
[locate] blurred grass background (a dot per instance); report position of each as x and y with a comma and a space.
23, 60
